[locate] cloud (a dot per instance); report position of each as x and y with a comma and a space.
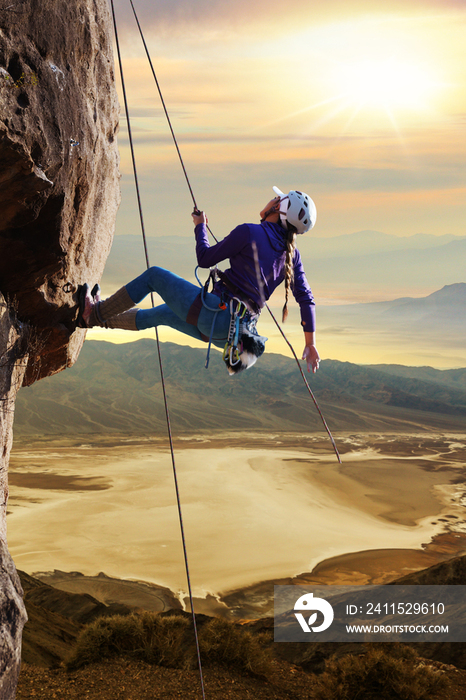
228, 152
148, 135
273, 16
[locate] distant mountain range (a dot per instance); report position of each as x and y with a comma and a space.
440, 316
450, 301
116, 389
451, 377
361, 259
369, 243
423, 267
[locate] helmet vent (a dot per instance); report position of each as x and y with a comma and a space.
301, 214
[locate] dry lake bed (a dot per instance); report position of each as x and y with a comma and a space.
255, 509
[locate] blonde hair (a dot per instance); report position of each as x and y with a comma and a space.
289, 269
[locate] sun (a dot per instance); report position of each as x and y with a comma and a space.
389, 84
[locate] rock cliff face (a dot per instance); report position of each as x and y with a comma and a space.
58, 163
59, 193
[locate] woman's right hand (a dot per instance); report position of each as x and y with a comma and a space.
312, 358
200, 218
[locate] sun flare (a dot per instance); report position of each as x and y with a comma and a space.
387, 84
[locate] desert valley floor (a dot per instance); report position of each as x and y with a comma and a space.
256, 509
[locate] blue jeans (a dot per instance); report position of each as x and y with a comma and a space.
178, 295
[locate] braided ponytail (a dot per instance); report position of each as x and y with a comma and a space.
289, 270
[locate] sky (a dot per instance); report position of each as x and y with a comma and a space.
360, 104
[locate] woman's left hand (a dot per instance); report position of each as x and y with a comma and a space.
311, 355
200, 218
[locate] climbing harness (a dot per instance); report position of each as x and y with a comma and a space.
231, 352
244, 345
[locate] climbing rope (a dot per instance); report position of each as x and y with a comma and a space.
216, 240
172, 131
167, 413
307, 385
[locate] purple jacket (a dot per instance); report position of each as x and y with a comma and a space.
271, 249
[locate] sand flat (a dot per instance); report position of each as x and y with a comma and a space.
265, 510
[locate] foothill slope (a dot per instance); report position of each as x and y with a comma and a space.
116, 389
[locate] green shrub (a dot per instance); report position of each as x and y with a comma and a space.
169, 641
234, 646
157, 640
383, 673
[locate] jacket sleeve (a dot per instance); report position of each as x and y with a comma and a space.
208, 255
303, 295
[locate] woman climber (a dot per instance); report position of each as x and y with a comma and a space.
261, 256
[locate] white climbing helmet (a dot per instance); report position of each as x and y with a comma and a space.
298, 209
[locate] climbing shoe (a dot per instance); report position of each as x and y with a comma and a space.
85, 303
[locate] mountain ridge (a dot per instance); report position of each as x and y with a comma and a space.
370, 242
429, 266
428, 328
114, 389
448, 298
346, 257
56, 615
